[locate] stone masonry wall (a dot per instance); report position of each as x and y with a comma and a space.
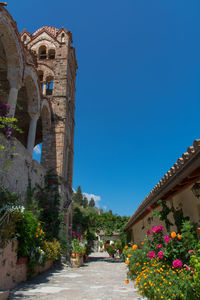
17, 166
12, 272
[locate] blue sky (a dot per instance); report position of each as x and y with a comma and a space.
138, 89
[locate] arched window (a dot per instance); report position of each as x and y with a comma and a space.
51, 54
49, 87
62, 38
42, 52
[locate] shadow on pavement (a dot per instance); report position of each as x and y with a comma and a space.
34, 281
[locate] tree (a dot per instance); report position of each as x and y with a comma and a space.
78, 196
85, 202
92, 203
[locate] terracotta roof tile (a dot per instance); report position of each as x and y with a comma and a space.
52, 30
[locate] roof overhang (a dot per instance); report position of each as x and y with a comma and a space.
184, 173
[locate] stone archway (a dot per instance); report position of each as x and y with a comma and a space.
28, 108
13, 59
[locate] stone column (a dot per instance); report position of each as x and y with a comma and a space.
14, 78
44, 88
32, 133
12, 101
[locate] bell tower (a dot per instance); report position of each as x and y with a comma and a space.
57, 67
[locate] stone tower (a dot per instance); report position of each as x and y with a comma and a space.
56, 66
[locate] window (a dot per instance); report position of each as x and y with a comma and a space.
62, 38
49, 88
51, 54
42, 52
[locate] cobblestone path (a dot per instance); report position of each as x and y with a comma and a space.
99, 279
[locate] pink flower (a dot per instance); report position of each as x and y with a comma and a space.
151, 254
149, 232
159, 246
149, 208
160, 254
157, 229
167, 239
177, 263
153, 229
192, 251
198, 230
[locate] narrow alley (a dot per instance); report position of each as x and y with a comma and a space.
99, 279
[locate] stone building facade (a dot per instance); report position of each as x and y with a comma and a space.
37, 79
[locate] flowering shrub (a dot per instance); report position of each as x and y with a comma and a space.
195, 271
166, 267
78, 246
156, 280
52, 249
7, 124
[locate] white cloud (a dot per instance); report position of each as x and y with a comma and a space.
37, 150
95, 197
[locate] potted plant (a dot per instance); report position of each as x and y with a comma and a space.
111, 250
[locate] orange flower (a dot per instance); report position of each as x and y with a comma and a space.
173, 235
127, 281
126, 247
36, 235
129, 255
179, 236
127, 262
39, 224
142, 243
134, 247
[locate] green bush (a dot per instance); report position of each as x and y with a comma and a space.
27, 229
195, 270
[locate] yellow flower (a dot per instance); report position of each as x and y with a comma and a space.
127, 262
173, 235
39, 224
134, 247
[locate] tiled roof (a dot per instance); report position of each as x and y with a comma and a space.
181, 164
52, 30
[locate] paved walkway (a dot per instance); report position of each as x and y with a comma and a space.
99, 279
